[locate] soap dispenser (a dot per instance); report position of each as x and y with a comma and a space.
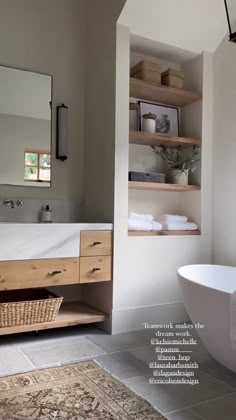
46, 215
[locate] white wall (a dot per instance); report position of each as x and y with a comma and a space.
49, 37
100, 108
145, 286
100, 123
17, 134
191, 25
224, 152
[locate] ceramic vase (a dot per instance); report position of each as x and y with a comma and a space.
176, 176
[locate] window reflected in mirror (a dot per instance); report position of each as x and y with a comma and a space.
25, 128
37, 165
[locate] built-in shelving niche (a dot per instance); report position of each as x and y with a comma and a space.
167, 198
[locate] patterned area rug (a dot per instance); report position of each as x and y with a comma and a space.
81, 391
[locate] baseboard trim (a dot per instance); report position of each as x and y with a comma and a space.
134, 319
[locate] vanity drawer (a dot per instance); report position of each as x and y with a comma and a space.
38, 273
95, 242
95, 269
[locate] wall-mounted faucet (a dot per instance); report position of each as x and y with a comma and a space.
11, 203
19, 203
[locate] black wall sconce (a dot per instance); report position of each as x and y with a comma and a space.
232, 35
62, 132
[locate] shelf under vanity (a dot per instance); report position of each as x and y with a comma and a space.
72, 313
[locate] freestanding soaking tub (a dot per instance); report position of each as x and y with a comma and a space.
207, 293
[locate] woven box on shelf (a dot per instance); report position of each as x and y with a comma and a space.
28, 306
145, 70
173, 78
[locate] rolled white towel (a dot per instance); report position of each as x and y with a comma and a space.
156, 225
139, 216
172, 218
143, 225
139, 225
179, 226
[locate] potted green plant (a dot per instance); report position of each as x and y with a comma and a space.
179, 161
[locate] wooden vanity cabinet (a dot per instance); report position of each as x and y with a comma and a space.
94, 265
95, 269
26, 274
95, 256
95, 243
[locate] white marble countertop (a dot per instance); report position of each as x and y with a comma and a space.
23, 241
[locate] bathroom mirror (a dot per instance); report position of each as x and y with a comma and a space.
25, 128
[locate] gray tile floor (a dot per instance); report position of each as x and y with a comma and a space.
127, 356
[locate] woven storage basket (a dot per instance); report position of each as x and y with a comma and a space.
30, 306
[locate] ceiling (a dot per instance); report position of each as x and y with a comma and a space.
184, 27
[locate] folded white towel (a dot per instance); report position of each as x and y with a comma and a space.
139, 216
172, 218
143, 225
233, 319
179, 226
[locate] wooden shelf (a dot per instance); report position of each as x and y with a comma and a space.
72, 313
152, 186
162, 94
165, 233
157, 139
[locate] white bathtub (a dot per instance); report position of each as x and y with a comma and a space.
206, 291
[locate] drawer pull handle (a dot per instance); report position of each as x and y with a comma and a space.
53, 273
97, 243
96, 269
